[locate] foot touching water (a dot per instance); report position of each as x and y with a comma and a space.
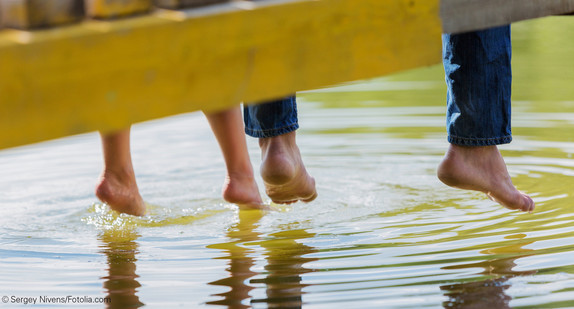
241, 189
120, 193
283, 172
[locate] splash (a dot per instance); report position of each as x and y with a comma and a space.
104, 218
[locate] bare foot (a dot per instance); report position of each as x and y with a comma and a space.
283, 172
117, 184
241, 189
120, 193
482, 169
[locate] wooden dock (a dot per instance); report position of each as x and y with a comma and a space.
72, 66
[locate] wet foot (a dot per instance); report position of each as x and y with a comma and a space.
283, 172
242, 190
120, 193
482, 169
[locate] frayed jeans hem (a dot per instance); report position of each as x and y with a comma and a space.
465, 141
272, 132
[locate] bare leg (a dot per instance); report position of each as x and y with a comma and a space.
239, 187
482, 169
286, 179
117, 184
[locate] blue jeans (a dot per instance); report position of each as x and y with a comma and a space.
478, 77
271, 118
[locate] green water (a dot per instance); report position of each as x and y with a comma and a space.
384, 232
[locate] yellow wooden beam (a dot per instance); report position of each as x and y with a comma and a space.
114, 9
177, 4
102, 75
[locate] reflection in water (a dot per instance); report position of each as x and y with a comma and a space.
285, 260
241, 259
120, 248
490, 293
284, 256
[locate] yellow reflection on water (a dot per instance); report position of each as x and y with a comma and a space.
103, 218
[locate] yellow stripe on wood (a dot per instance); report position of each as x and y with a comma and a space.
107, 75
178, 4
116, 8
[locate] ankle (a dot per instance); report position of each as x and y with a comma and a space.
279, 141
241, 174
122, 176
472, 150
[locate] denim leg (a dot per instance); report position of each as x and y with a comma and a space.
271, 118
478, 77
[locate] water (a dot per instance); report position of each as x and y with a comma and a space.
384, 232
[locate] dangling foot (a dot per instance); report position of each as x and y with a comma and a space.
482, 168
283, 172
120, 193
241, 189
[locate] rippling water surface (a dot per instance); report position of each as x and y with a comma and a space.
384, 232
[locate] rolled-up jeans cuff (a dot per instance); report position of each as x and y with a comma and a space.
272, 132
465, 141
271, 118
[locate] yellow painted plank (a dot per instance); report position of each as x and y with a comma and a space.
116, 8
106, 75
178, 4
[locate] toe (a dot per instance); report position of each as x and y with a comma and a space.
284, 202
310, 199
530, 203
